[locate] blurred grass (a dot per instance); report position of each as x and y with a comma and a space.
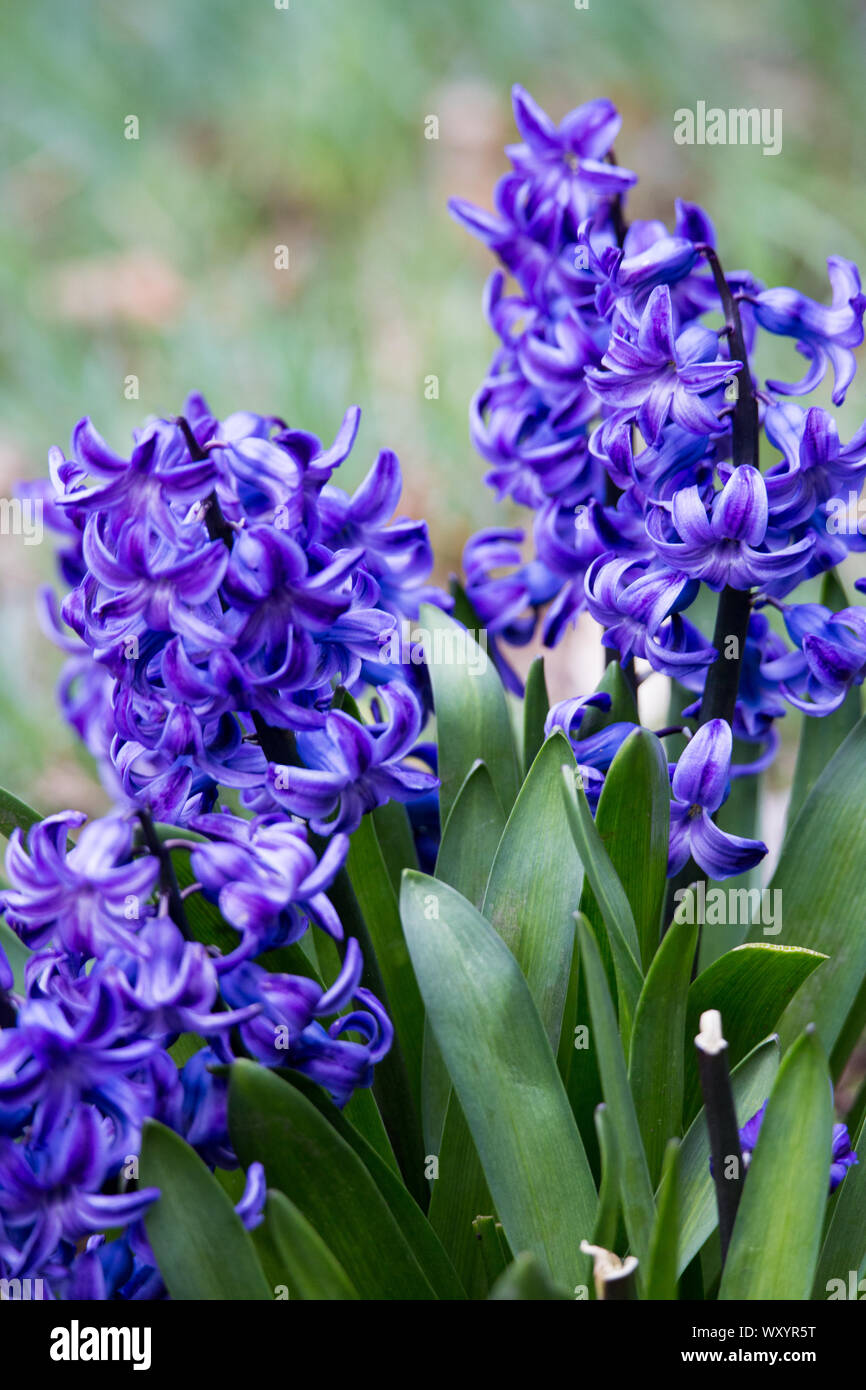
261, 127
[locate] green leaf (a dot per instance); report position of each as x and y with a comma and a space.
378, 903
750, 986
844, 1247
472, 718
751, 1082
819, 738
201, 1247
819, 876
635, 1186
536, 707
526, 1280
611, 899
391, 1086
394, 834
623, 707
661, 1279
317, 1169
488, 1234
15, 814
656, 1064
471, 836
777, 1234
633, 820
535, 882
420, 1236
609, 1200
504, 1075
466, 853
294, 1256
460, 1194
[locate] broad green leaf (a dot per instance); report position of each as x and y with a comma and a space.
750, 986
535, 710
530, 900
611, 899
819, 738
609, 1198
504, 1074
394, 834
656, 1063
844, 1247
472, 718
467, 851
527, 1279
535, 883
15, 814
378, 903
491, 1243
201, 1247
319, 1171
471, 836
294, 1256
392, 1088
819, 876
633, 820
635, 1186
661, 1279
362, 1112
777, 1234
420, 1236
751, 1082
459, 1195
623, 707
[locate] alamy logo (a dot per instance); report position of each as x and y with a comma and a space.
738, 126
720, 907
21, 1290
415, 645
22, 516
76, 1343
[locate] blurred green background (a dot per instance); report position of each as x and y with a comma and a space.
305, 127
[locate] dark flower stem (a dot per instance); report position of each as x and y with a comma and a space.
167, 875
725, 1151
732, 615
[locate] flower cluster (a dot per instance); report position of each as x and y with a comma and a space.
622, 408
222, 589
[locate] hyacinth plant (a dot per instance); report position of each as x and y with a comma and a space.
386, 978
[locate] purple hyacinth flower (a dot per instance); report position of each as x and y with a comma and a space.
699, 786
64, 1050
142, 581
251, 1207
842, 1158
823, 334
719, 539
350, 768
53, 1193
173, 989
566, 165
663, 376
829, 659
87, 898
266, 878
816, 465
637, 607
